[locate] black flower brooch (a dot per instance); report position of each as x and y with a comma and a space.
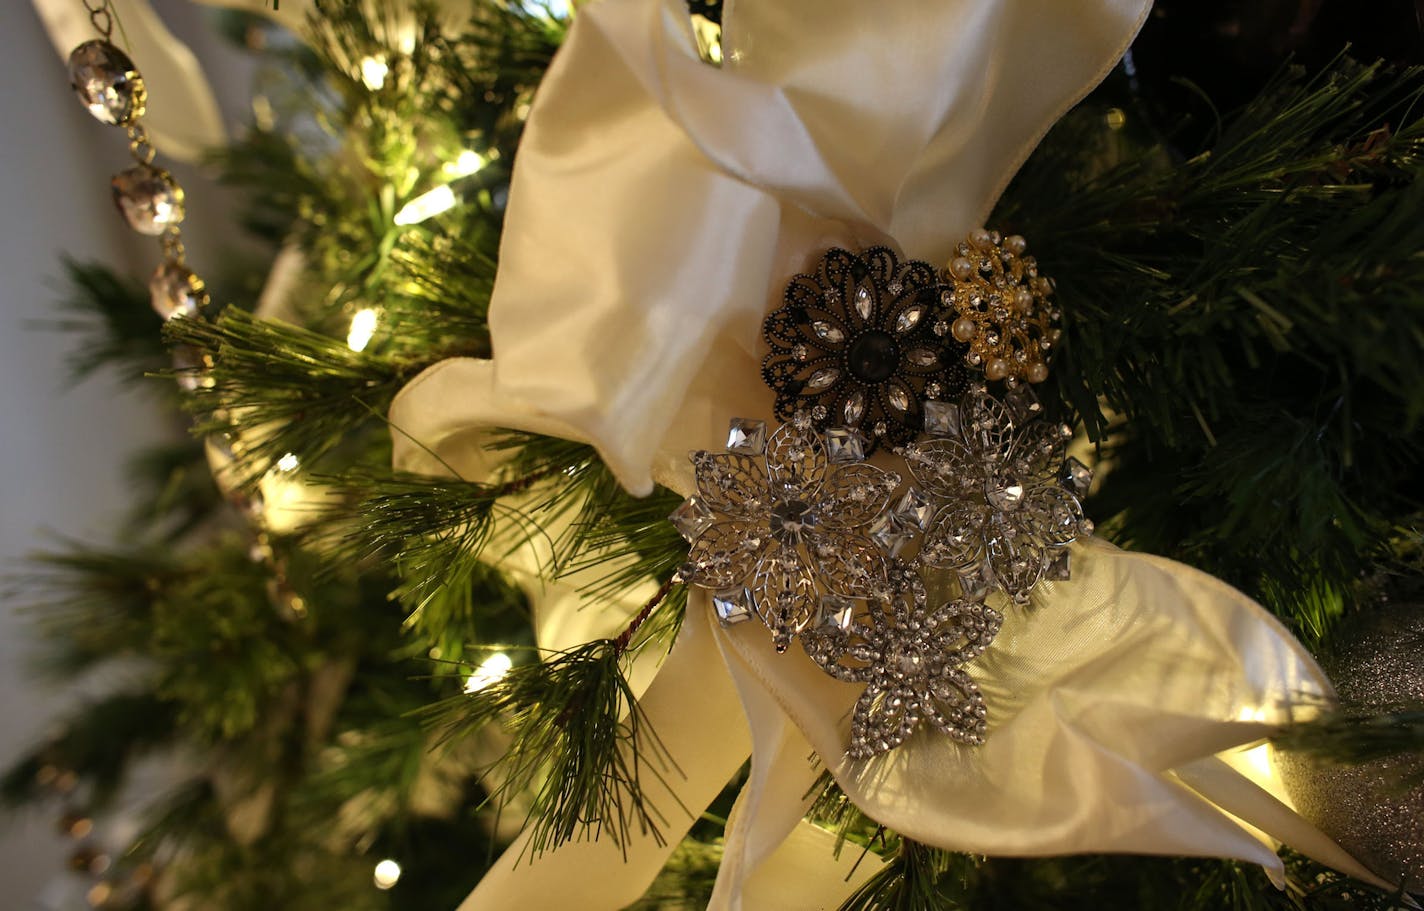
858, 344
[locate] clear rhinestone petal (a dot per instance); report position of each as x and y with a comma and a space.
827, 332
909, 318
823, 379
864, 302
899, 398
854, 407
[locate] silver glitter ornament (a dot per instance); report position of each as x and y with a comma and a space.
787, 524
1000, 509
1380, 662
106, 82
909, 657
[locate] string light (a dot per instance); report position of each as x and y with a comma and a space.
373, 73
288, 462
426, 205
490, 671
468, 162
387, 874
363, 326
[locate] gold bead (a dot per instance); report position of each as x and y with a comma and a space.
964, 329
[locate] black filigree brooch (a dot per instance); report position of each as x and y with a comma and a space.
855, 345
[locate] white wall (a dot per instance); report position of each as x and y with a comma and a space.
62, 450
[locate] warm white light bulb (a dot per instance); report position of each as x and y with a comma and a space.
363, 326
468, 162
426, 205
373, 73
387, 874
491, 670
288, 462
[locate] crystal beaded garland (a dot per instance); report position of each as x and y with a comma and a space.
1000, 485
107, 83
174, 290
778, 524
149, 199
853, 346
909, 657
997, 303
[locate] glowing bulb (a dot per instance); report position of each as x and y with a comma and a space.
373, 73
490, 671
387, 874
468, 162
288, 462
426, 205
363, 326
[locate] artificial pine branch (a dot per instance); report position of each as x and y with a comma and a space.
113, 321
579, 745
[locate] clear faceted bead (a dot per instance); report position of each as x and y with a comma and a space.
942, 418
827, 332
843, 445
691, 519
864, 303
890, 535
149, 199
746, 435
914, 508
174, 290
854, 407
732, 606
1076, 476
836, 611
106, 82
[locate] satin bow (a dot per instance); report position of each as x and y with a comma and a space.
657, 208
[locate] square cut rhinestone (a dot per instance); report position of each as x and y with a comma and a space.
746, 435
733, 605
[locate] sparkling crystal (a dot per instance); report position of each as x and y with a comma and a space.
941, 328
790, 519
922, 357
914, 509
899, 398
800, 352
854, 407
1004, 494
890, 535
175, 291
148, 198
691, 518
880, 428
1023, 405
836, 611
844, 445
942, 418
745, 435
864, 303
819, 412
975, 584
895, 287
823, 378
933, 389
909, 318
1086, 527
733, 605
827, 332
1058, 569
1076, 476
107, 83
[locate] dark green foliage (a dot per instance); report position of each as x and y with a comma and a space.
1242, 328
1361, 735
580, 747
112, 321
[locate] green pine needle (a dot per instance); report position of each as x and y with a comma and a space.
580, 746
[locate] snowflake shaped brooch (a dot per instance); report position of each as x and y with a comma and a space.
1005, 499
855, 345
909, 657
778, 522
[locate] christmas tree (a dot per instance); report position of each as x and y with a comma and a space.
433, 606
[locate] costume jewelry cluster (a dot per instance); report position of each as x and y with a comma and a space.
794, 527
